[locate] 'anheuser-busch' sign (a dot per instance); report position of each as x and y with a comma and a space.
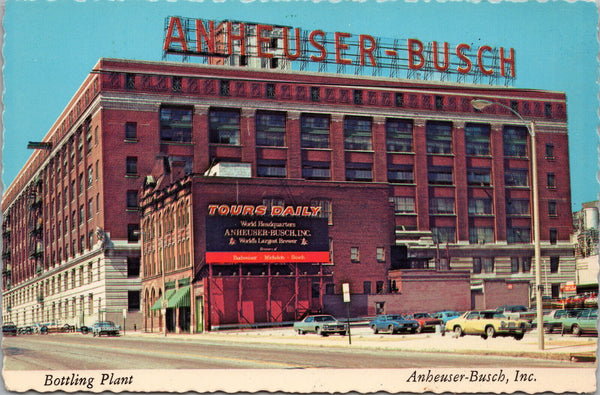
186, 36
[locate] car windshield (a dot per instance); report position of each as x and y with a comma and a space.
422, 315
107, 323
395, 317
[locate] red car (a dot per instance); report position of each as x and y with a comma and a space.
425, 320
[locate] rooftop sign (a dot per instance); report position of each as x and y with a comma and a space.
235, 43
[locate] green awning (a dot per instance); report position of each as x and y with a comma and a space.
158, 304
181, 298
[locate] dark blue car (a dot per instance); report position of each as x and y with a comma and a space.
393, 323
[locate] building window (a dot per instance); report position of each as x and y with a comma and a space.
133, 233
551, 180
549, 151
479, 177
130, 131
73, 191
480, 206
518, 235
548, 110
90, 177
224, 126
553, 235
404, 204
441, 205
517, 206
398, 135
326, 211
477, 139
439, 102
271, 168
271, 202
554, 262
131, 166
359, 172
133, 266
270, 129
439, 137
514, 105
329, 289
81, 183
176, 83
400, 174
380, 254
516, 177
133, 300
316, 170
81, 214
515, 141
444, 234
552, 208
440, 175
129, 81
379, 287
358, 96
270, 91
526, 264
481, 235
315, 93
399, 99
514, 265
367, 288
90, 245
176, 124
314, 131
476, 265
487, 264
354, 254
357, 133
224, 87
132, 200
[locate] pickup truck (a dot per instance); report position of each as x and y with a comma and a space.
517, 312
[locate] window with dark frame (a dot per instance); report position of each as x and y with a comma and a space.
130, 131
481, 235
359, 172
514, 140
443, 234
224, 87
270, 129
315, 93
400, 174
316, 170
549, 151
133, 233
439, 137
554, 264
270, 91
132, 202
516, 177
176, 83
479, 177
548, 110
480, 206
516, 235
440, 175
477, 139
439, 102
552, 208
404, 204
314, 131
176, 124
358, 96
399, 99
367, 287
357, 133
553, 235
551, 180
354, 254
271, 168
517, 206
441, 205
130, 81
131, 166
398, 135
224, 126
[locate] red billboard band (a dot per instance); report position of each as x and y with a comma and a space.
252, 210
367, 47
267, 257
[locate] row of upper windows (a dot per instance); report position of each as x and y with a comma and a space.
225, 128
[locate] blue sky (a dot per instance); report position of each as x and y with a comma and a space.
50, 47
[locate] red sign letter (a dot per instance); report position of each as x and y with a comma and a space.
510, 60
241, 37
367, 51
339, 47
260, 40
321, 48
286, 46
467, 61
435, 57
480, 59
180, 36
209, 39
412, 52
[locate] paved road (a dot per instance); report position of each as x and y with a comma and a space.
76, 351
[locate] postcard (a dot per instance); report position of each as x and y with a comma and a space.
300, 196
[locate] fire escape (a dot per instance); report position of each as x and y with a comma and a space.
35, 226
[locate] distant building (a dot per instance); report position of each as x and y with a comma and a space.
585, 237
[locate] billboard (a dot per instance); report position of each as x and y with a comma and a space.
266, 239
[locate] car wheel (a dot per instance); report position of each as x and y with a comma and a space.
343, 333
299, 331
550, 329
318, 330
490, 331
577, 330
391, 329
375, 330
458, 331
519, 336
419, 329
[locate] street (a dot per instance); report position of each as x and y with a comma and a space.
137, 351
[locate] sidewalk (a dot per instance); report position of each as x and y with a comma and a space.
557, 347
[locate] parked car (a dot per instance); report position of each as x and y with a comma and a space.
9, 329
105, 328
487, 323
393, 323
554, 320
321, 325
584, 322
425, 320
517, 312
445, 316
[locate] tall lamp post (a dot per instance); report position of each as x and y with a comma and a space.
480, 104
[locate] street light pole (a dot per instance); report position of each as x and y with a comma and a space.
480, 104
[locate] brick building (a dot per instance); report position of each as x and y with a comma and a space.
411, 176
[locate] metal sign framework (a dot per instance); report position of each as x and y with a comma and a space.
394, 58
